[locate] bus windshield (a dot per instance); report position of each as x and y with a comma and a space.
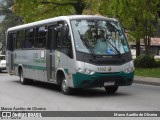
99, 37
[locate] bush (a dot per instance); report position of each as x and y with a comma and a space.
158, 63
145, 61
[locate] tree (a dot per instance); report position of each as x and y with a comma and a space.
137, 16
7, 18
78, 5
33, 10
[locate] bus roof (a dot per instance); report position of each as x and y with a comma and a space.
50, 20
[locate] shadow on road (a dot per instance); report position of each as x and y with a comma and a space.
42, 85
96, 92
92, 92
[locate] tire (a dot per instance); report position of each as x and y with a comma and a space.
65, 88
22, 79
111, 89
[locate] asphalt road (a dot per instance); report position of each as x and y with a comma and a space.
137, 97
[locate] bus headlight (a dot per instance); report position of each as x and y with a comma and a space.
129, 70
85, 71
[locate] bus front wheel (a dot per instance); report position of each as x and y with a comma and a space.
65, 88
111, 89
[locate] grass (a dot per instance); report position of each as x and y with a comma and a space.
148, 72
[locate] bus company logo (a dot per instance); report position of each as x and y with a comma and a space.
6, 115
109, 69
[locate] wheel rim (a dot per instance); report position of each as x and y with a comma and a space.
21, 77
64, 85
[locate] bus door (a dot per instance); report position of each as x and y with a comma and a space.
56, 40
51, 46
10, 47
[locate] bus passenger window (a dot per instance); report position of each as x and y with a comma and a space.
41, 34
20, 39
11, 41
29, 38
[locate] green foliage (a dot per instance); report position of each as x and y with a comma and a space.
9, 19
92, 7
34, 10
137, 16
158, 63
148, 72
145, 61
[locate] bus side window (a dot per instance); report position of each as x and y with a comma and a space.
19, 39
41, 33
29, 38
64, 43
11, 41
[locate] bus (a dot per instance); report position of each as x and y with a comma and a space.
77, 51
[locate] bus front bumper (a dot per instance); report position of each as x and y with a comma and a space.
100, 79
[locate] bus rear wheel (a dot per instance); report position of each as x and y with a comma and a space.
21, 77
111, 89
65, 88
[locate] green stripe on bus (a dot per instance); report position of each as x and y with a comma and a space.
66, 71
39, 67
32, 67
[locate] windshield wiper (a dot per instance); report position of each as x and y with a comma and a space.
87, 45
107, 40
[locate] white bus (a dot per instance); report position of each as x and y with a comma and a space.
79, 51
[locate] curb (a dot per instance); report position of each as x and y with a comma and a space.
147, 80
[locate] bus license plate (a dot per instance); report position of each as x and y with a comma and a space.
109, 83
